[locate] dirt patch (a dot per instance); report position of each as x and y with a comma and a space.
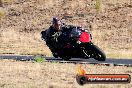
15, 74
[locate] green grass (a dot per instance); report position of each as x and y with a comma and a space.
2, 14
39, 59
98, 5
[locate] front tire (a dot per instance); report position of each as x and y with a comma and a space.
95, 52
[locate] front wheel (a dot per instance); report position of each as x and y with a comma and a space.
98, 55
95, 52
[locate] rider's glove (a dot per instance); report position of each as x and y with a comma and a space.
56, 35
78, 42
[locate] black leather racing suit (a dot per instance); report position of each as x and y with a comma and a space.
55, 39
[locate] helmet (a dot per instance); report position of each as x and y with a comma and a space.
56, 23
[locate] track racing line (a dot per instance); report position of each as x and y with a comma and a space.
108, 62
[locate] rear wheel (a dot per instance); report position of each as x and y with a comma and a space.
55, 54
66, 58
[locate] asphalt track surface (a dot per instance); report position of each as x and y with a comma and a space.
108, 62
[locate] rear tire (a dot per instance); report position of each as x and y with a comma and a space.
55, 54
66, 58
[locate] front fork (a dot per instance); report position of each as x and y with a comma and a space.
85, 48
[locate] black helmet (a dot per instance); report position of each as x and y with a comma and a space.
56, 23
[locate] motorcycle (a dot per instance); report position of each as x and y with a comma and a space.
76, 44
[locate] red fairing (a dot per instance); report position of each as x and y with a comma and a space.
85, 37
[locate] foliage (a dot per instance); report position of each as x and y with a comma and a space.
39, 59
2, 14
98, 5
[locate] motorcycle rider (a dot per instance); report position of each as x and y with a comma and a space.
58, 34
55, 34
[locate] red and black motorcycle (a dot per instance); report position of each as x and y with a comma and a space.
75, 44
